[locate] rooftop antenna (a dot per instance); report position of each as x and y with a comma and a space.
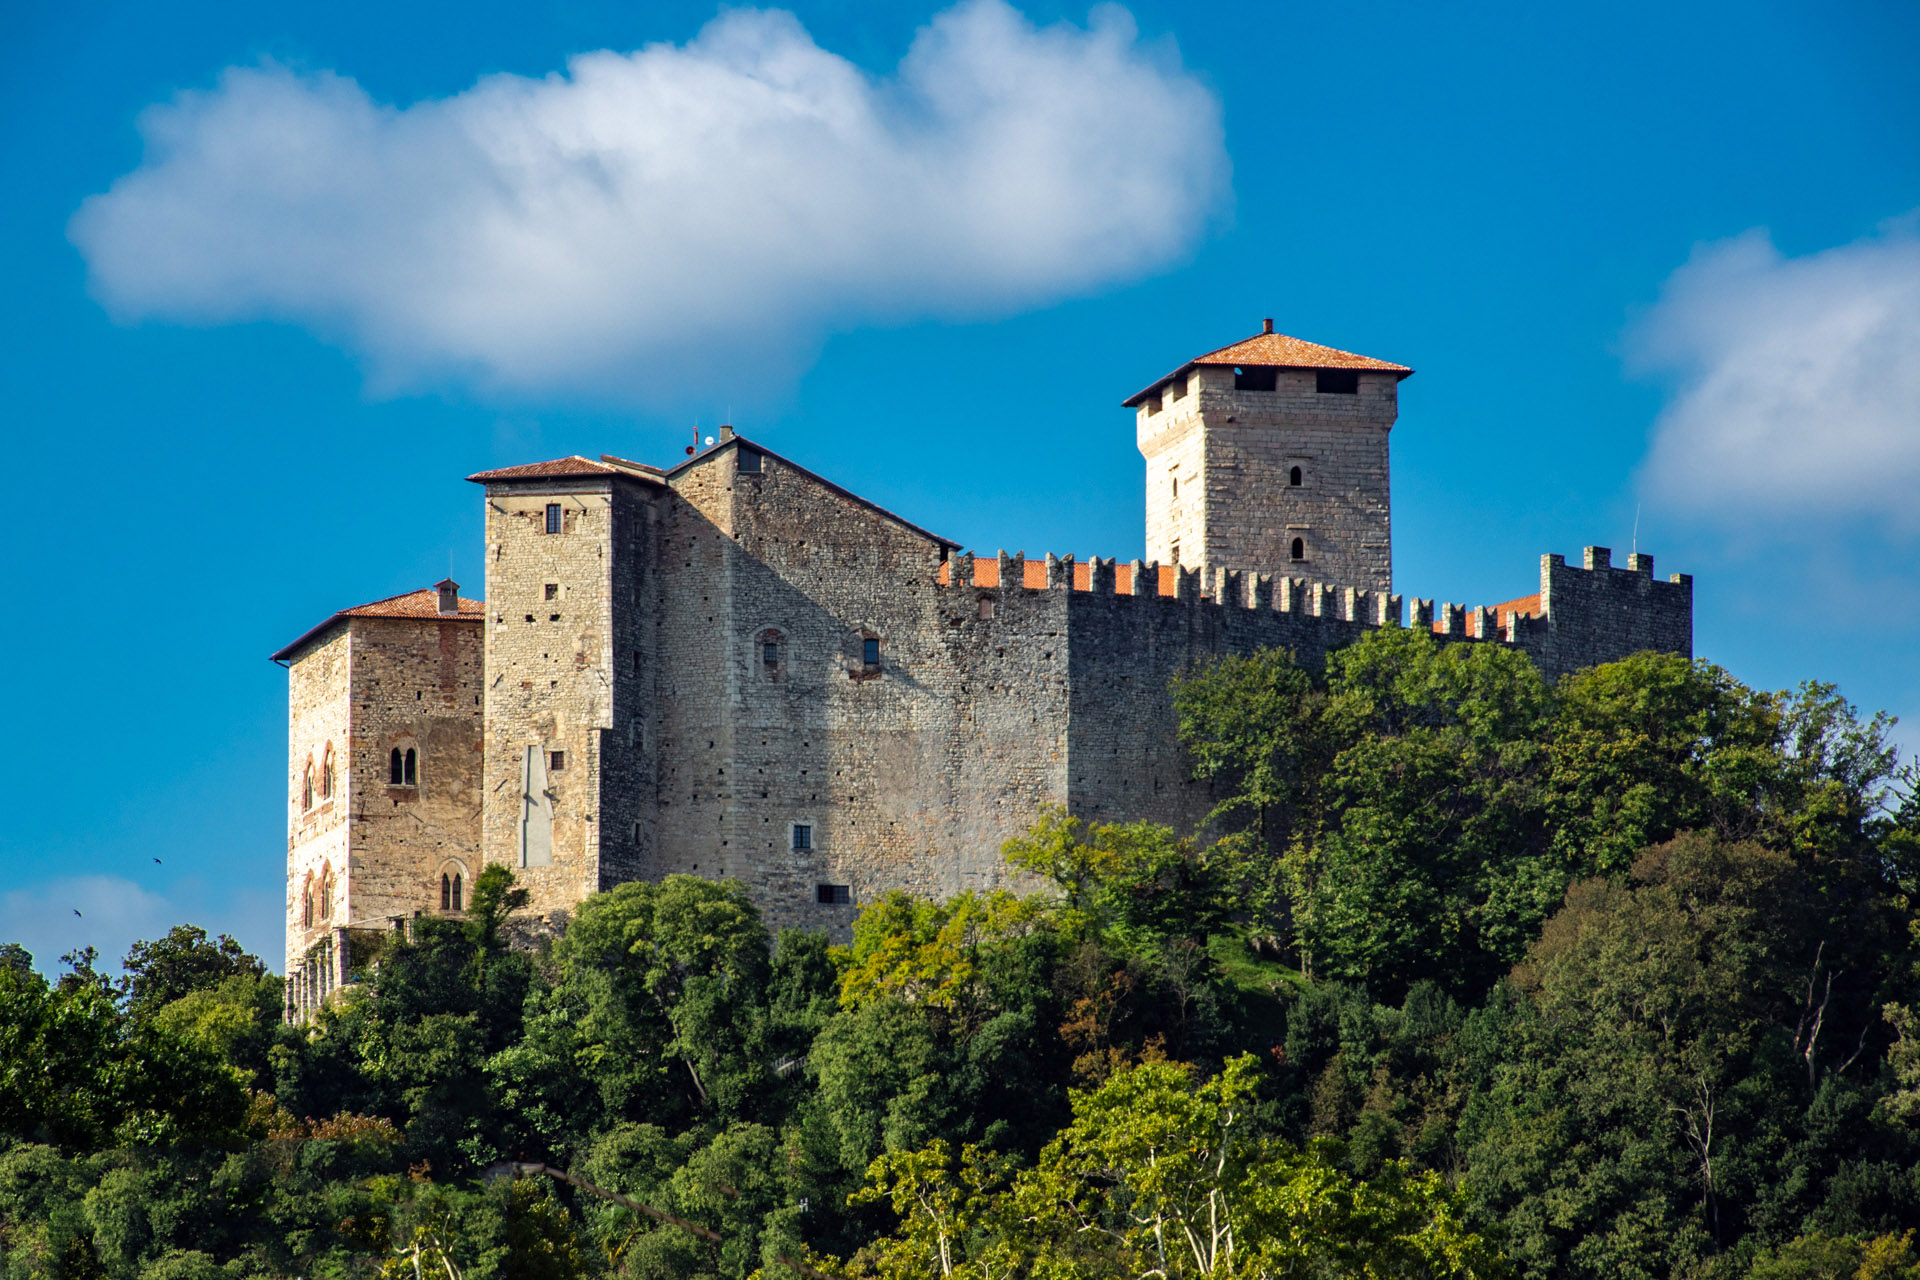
1636, 528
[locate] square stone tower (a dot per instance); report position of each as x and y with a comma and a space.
1271, 454
383, 779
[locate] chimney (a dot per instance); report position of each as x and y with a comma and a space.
449, 595
726, 433
1266, 326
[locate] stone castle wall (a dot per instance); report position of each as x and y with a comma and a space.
1234, 452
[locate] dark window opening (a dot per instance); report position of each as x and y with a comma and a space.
306, 788
802, 836
556, 761
1256, 378
1299, 548
749, 462
1337, 382
833, 895
636, 662
553, 591
396, 769
446, 892
326, 775
553, 517
1177, 389
1176, 486
770, 653
410, 766
870, 651
1294, 477
1175, 555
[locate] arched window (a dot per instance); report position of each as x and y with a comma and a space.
1299, 548
453, 895
396, 773
326, 773
1294, 477
410, 767
326, 893
306, 903
306, 788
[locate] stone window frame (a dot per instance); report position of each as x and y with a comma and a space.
326, 773
454, 878
307, 900
406, 755
859, 667
555, 518
795, 839
775, 638
1299, 544
326, 891
832, 895
306, 786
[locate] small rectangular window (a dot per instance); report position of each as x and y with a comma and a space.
1337, 382
556, 761
1256, 378
833, 895
553, 517
802, 836
553, 588
870, 652
749, 462
770, 653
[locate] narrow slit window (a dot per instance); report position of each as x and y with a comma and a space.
554, 521
446, 892
411, 768
396, 769
457, 899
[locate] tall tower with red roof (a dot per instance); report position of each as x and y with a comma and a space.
1271, 454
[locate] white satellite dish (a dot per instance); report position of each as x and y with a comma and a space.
709, 442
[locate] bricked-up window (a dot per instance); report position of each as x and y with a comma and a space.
556, 761
1337, 382
1255, 377
833, 895
749, 462
802, 836
1295, 477
1299, 548
554, 522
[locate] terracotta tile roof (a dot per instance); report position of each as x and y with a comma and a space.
1281, 351
570, 466
424, 604
1525, 606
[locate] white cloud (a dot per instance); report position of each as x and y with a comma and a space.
697, 212
1797, 385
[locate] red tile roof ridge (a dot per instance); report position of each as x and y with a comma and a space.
1280, 351
423, 604
571, 465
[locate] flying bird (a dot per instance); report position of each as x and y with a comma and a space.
156, 862
76, 911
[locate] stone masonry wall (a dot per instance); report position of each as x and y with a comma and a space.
548, 678
416, 685
317, 716
1241, 509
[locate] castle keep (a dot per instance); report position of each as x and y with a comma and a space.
735, 668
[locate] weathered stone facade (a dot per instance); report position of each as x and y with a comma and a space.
734, 668
390, 693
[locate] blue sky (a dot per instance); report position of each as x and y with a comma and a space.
1651, 262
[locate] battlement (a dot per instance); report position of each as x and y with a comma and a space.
1580, 616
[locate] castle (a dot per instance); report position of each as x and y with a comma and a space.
734, 668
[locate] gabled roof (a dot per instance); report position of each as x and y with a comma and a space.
1276, 350
423, 604
558, 467
735, 440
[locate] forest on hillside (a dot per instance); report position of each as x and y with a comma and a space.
1472, 975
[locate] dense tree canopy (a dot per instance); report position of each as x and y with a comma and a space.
1467, 975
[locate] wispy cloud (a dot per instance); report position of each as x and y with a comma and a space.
113, 913
680, 214
1796, 400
